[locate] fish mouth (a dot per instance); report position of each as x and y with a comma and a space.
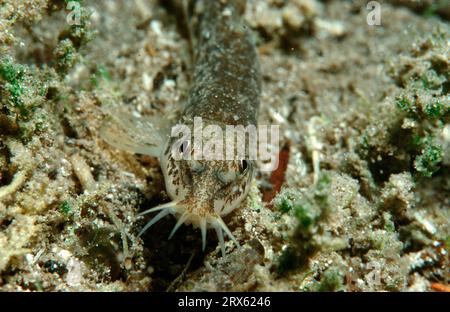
185, 214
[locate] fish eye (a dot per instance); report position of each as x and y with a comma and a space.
243, 166
183, 147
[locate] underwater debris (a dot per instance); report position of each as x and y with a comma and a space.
65, 208
83, 172
19, 179
14, 241
65, 55
440, 287
411, 126
310, 209
277, 178
234, 271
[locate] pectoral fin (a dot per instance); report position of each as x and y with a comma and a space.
143, 135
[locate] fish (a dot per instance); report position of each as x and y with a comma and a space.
224, 93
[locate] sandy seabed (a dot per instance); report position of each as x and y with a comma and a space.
368, 104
